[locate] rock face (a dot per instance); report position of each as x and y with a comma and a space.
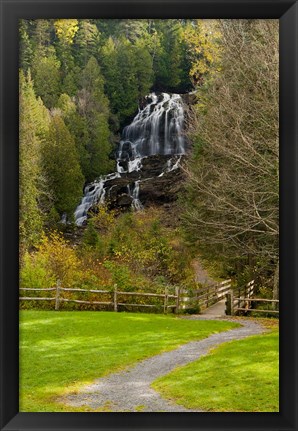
148, 157
159, 181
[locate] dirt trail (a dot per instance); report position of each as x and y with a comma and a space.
201, 275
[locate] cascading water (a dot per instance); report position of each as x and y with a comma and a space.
93, 193
136, 203
156, 129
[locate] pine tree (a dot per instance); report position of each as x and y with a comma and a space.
46, 76
66, 30
86, 43
133, 29
26, 51
61, 164
93, 106
42, 35
168, 61
144, 70
33, 127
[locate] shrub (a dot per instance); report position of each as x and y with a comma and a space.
34, 272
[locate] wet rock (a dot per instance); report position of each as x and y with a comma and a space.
124, 200
161, 189
156, 184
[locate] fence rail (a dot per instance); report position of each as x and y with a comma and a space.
207, 295
114, 302
239, 299
245, 301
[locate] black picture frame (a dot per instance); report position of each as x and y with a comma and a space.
284, 10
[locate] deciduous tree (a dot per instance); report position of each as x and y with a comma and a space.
232, 194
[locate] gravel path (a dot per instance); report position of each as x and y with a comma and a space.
130, 391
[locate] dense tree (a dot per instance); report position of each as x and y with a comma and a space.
33, 126
168, 65
128, 71
144, 70
61, 164
133, 29
26, 51
232, 204
66, 30
46, 76
42, 31
203, 49
86, 43
88, 77
93, 107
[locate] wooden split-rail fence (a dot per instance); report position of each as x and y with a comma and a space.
242, 299
206, 296
116, 297
237, 300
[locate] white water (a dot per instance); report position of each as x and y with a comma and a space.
93, 193
156, 129
171, 165
136, 204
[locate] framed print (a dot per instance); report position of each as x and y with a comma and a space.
148, 215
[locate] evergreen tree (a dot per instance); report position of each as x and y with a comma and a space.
66, 30
111, 72
168, 61
66, 105
33, 126
133, 29
144, 70
46, 76
120, 69
87, 120
26, 51
127, 97
61, 164
42, 35
86, 43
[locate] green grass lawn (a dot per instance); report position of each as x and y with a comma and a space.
239, 376
61, 351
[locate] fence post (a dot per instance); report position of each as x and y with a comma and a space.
207, 298
230, 303
58, 285
165, 305
177, 299
253, 288
115, 298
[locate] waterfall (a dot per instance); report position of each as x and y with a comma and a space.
136, 204
172, 164
156, 129
93, 193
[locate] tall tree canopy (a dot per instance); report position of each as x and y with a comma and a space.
88, 77
232, 200
34, 123
61, 165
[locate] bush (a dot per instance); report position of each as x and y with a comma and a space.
34, 272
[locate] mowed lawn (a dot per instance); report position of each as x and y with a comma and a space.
61, 351
239, 376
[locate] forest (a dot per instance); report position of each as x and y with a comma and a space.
82, 85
